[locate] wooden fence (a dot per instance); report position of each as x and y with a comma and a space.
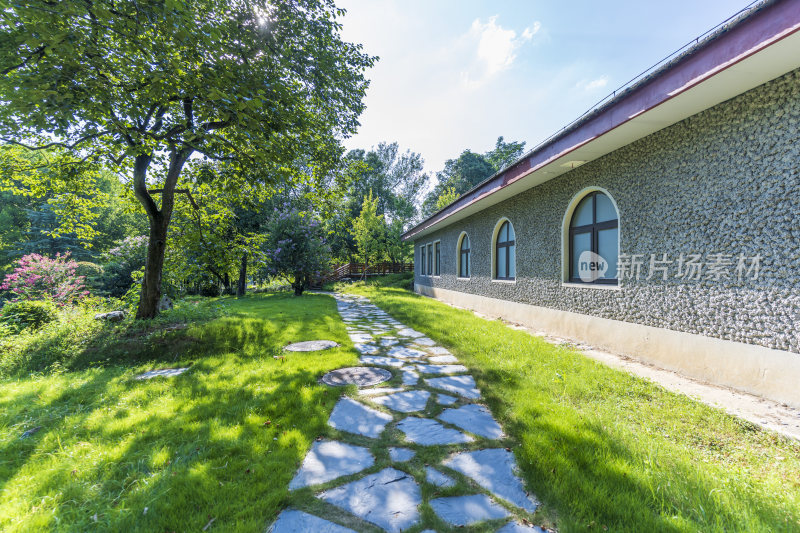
356, 271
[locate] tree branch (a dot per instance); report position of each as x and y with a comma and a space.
187, 192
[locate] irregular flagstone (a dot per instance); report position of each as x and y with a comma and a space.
405, 402
494, 470
360, 337
429, 432
436, 478
292, 521
441, 369
388, 342
443, 359
401, 455
408, 332
473, 418
354, 417
163, 372
380, 391
382, 361
425, 341
516, 527
388, 499
310, 346
461, 385
444, 399
405, 353
361, 376
410, 377
366, 349
438, 350
466, 510
328, 460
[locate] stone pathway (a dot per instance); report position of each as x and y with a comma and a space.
418, 440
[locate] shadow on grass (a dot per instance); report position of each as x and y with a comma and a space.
220, 441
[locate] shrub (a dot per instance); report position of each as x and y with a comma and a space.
28, 314
37, 277
121, 263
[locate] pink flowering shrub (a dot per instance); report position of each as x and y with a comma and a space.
37, 277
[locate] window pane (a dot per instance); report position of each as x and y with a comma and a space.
607, 249
580, 243
510, 231
465, 243
503, 235
422, 260
466, 272
502, 271
583, 213
438, 257
512, 262
430, 259
605, 208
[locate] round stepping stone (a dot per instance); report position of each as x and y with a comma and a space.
388, 499
405, 402
361, 376
328, 460
466, 510
401, 455
429, 432
473, 418
495, 471
163, 372
310, 346
291, 521
354, 417
437, 479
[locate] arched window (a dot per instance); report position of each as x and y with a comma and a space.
594, 240
505, 253
463, 257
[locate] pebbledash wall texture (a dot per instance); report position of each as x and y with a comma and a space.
726, 180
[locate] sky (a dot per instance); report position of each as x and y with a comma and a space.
453, 75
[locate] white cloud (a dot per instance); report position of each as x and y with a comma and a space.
598, 83
496, 49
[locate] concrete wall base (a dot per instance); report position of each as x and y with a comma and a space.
772, 374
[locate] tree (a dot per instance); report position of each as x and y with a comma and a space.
295, 247
369, 232
149, 83
468, 170
447, 197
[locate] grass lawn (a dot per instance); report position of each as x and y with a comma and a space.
605, 450
219, 442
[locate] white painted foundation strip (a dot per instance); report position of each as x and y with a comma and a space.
772, 374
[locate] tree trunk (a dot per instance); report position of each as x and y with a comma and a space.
241, 287
298, 284
226, 282
154, 266
159, 223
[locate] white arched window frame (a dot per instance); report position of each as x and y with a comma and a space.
463, 256
510, 257
565, 240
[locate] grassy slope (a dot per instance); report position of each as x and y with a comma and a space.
604, 449
221, 441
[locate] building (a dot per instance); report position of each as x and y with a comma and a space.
665, 224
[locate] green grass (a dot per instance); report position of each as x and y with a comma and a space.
219, 442
606, 450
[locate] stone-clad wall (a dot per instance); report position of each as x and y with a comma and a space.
726, 180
